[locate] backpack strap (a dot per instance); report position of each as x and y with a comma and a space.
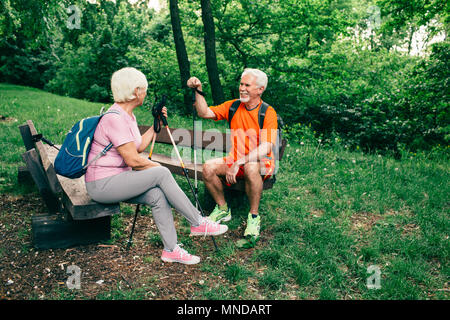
111, 111
109, 146
262, 114
233, 110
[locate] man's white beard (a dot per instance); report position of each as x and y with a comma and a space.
244, 99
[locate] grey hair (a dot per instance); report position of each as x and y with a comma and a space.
125, 81
261, 77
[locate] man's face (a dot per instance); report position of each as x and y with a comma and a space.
248, 89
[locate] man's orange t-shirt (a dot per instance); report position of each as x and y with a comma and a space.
245, 131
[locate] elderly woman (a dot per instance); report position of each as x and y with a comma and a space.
123, 175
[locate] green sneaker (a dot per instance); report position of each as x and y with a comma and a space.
253, 226
220, 215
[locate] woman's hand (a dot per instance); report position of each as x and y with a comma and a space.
164, 112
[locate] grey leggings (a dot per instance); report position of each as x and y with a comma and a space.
155, 187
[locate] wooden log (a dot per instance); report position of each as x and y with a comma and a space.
34, 167
53, 232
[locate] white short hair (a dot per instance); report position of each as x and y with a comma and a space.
125, 81
261, 77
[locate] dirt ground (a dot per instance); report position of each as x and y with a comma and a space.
27, 273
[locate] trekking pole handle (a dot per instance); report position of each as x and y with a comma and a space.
157, 110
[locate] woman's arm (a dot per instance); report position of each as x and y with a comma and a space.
146, 139
132, 158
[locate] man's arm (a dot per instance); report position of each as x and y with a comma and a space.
200, 102
256, 154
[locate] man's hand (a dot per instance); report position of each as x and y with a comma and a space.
194, 83
231, 173
200, 102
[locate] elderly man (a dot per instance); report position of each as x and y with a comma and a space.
251, 155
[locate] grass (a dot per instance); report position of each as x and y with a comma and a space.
331, 215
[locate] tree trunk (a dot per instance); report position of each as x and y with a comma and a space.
411, 34
182, 57
210, 53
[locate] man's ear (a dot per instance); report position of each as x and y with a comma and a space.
262, 89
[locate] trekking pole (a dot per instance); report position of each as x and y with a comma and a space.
151, 148
166, 125
195, 143
39, 136
130, 240
156, 110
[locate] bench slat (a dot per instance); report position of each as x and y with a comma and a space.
46, 163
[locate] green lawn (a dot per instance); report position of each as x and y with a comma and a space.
331, 215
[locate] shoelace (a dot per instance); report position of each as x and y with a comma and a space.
208, 223
182, 252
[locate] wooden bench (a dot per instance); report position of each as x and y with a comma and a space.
73, 217
205, 140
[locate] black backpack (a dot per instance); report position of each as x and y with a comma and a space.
261, 116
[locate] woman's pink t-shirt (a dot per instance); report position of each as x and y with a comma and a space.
117, 129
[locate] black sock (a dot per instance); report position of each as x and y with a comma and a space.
254, 216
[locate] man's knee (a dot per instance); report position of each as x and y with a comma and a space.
209, 170
252, 170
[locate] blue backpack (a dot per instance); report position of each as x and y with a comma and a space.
71, 161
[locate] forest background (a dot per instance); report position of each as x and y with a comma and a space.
369, 74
